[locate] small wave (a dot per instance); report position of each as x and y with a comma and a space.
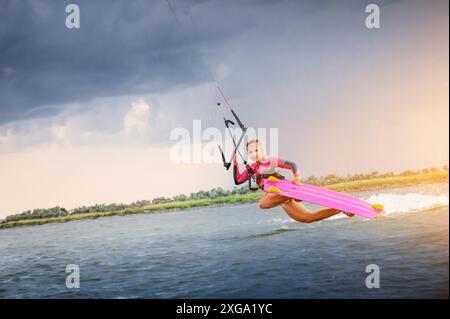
272, 233
407, 203
281, 220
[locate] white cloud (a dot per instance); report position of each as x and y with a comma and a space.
5, 138
134, 121
137, 118
59, 132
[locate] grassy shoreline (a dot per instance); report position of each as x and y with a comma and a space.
353, 186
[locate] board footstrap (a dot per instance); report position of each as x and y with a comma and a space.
274, 189
273, 179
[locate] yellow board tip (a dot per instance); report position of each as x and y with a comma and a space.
274, 189
273, 179
379, 216
378, 206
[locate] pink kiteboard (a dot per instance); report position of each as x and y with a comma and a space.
323, 196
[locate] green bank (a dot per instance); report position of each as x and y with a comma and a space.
373, 183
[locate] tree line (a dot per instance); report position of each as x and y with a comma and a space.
210, 194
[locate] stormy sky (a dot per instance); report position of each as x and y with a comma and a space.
344, 98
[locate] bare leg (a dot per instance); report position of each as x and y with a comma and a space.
300, 213
270, 200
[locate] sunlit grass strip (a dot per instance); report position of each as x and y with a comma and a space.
368, 184
394, 181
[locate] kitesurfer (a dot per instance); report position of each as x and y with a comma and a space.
263, 167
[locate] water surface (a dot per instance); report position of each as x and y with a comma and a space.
238, 252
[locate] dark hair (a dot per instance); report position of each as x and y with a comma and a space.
252, 142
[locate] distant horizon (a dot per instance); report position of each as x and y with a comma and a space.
2, 217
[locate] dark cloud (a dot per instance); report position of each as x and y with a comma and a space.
147, 46
122, 47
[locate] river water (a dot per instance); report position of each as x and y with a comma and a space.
238, 252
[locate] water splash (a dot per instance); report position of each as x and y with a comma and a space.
408, 203
393, 203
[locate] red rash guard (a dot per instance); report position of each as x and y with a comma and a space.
264, 167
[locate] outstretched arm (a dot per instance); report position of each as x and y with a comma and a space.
239, 178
